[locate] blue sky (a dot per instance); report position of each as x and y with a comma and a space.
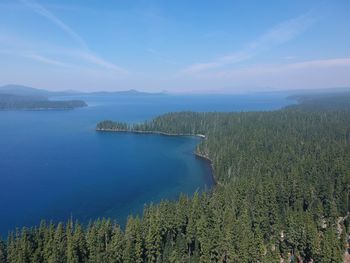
178, 46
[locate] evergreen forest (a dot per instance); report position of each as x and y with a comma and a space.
281, 195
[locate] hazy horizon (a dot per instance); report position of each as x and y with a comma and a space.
178, 47
199, 92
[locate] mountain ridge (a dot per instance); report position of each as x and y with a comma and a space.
22, 90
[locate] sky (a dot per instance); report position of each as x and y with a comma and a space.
176, 46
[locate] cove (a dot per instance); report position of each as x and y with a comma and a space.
54, 165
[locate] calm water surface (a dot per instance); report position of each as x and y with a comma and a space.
53, 164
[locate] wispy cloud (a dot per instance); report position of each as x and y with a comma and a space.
54, 19
199, 67
321, 63
309, 74
264, 70
47, 60
91, 57
84, 52
34, 55
279, 34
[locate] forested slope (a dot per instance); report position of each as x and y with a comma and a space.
284, 179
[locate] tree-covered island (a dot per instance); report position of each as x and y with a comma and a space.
21, 102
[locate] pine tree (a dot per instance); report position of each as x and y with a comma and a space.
243, 237
11, 249
116, 247
139, 241
72, 246
257, 246
194, 215
227, 240
26, 246
203, 236
60, 245
81, 252
3, 252
129, 251
312, 248
45, 243
330, 251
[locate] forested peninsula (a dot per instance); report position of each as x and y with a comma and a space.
111, 126
283, 193
21, 102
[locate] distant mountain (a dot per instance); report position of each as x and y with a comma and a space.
29, 91
131, 92
23, 91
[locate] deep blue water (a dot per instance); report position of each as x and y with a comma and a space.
54, 165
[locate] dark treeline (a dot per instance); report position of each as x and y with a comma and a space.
282, 193
113, 125
14, 102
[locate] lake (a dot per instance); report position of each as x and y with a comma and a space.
54, 165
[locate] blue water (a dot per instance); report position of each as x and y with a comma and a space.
54, 165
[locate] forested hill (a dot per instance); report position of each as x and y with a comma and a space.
283, 193
15, 102
323, 101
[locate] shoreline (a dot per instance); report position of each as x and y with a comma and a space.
197, 154
210, 162
202, 136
